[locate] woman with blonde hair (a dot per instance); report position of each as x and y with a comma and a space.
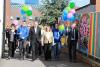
47, 41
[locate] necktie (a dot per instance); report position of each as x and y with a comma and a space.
74, 34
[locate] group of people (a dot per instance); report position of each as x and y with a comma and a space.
40, 41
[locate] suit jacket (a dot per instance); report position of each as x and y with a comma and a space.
70, 35
34, 37
48, 37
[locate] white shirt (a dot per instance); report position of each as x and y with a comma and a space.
35, 29
73, 38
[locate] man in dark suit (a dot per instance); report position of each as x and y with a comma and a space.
35, 38
73, 38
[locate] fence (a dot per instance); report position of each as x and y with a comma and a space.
89, 29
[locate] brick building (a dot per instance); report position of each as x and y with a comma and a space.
14, 11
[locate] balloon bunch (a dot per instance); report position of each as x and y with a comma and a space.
68, 12
26, 10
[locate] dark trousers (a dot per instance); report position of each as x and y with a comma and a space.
36, 49
47, 51
11, 50
57, 51
22, 48
72, 49
30, 48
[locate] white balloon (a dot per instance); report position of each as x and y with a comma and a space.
30, 8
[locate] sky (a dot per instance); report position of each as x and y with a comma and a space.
22, 1
18, 1
80, 3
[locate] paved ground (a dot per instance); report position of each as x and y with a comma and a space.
39, 62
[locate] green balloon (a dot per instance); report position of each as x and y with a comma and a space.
25, 8
61, 27
72, 5
29, 13
68, 9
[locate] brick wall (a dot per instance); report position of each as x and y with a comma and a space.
15, 11
97, 5
7, 17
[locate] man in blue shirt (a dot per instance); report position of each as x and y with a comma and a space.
23, 33
57, 41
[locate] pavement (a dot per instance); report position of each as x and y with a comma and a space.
39, 62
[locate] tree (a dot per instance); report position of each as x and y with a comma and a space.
52, 9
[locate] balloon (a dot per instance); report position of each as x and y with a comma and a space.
30, 8
65, 12
69, 15
62, 27
22, 12
72, 11
30, 17
68, 9
73, 26
72, 5
29, 13
72, 18
11, 18
64, 18
15, 22
25, 8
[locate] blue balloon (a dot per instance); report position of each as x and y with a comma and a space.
65, 12
23, 12
72, 18
64, 17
